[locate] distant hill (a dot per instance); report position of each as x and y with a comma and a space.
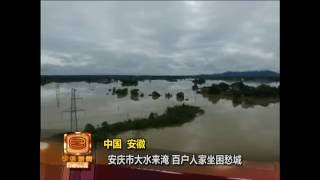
244, 74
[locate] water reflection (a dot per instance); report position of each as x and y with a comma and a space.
244, 102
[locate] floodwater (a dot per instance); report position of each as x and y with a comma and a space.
251, 131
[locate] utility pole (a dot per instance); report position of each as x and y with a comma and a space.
73, 111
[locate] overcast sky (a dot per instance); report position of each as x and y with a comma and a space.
156, 38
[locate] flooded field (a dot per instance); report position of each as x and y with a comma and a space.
252, 131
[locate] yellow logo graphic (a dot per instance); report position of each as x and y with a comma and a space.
77, 149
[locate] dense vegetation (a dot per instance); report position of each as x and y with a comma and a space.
132, 80
129, 82
120, 92
242, 94
134, 92
238, 89
173, 116
45, 79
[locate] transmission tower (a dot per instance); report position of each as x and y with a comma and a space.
73, 111
58, 95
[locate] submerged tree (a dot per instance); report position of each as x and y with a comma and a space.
168, 95
134, 94
195, 87
121, 92
199, 81
180, 96
155, 95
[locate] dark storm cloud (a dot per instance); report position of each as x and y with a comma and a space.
188, 37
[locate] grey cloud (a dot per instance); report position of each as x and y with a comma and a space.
107, 37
